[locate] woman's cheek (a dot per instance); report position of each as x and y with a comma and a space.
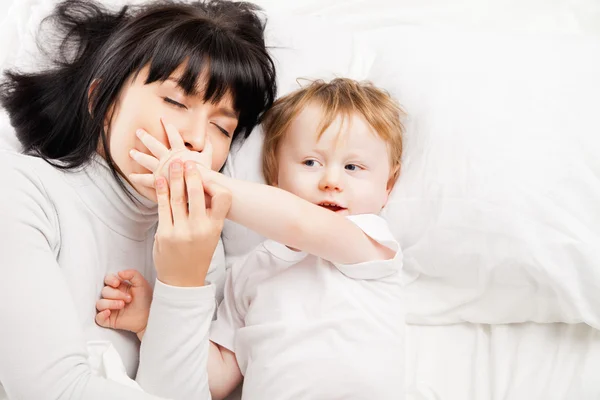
221, 146
219, 159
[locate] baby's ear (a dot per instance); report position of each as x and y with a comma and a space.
393, 178
271, 180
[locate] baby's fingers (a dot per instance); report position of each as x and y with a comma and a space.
110, 293
149, 162
108, 304
112, 280
134, 277
103, 319
175, 139
158, 149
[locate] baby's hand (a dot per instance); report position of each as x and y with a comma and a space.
125, 302
158, 163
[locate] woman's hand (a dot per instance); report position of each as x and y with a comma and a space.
188, 231
190, 213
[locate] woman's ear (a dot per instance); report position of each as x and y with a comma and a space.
91, 91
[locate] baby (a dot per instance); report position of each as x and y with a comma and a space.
314, 311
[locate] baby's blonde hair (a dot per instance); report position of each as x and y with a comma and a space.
343, 97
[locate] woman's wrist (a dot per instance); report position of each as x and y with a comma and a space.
182, 280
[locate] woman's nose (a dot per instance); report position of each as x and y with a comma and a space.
194, 137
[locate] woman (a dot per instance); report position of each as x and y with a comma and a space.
68, 214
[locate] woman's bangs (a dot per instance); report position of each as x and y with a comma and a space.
214, 65
235, 71
172, 50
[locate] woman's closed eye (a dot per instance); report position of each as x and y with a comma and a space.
223, 130
174, 103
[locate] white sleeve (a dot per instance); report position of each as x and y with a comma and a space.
377, 229
229, 319
174, 351
42, 347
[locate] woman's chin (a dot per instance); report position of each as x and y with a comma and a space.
146, 192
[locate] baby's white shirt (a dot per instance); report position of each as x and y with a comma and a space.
305, 328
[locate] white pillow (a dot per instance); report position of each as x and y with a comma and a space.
8, 140
498, 203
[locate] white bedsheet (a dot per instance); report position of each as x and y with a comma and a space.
462, 361
518, 362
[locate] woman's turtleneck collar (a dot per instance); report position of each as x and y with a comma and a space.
124, 211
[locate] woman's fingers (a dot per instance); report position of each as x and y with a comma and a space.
178, 195
195, 192
158, 149
142, 179
175, 139
165, 217
110, 293
149, 162
220, 199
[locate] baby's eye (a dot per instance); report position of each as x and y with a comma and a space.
352, 167
309, 163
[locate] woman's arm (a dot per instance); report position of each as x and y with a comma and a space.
176, 353
42, 348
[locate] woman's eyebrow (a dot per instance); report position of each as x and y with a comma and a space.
177, 82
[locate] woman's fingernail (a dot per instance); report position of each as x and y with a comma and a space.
190, 165
132, 153
176, 165
139, 133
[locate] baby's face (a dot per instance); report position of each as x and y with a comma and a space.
346, 170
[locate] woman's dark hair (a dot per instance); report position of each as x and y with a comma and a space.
55, 116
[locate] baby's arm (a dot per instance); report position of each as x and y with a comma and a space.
297, 223
275, 213
223, 371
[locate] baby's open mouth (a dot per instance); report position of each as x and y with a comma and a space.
332, 206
